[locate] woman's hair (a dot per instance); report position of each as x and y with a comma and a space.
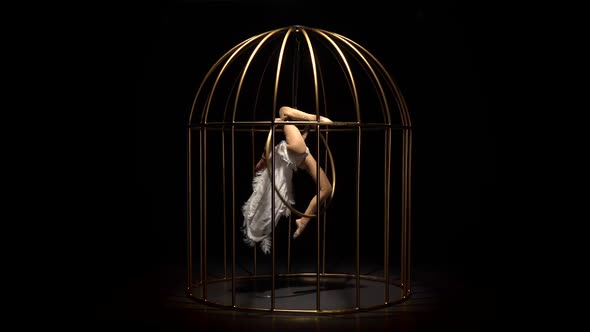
261, 164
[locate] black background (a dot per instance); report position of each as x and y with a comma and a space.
484, 83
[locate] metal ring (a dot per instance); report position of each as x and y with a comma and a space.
269, 166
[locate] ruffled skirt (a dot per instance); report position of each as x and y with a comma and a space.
257, 210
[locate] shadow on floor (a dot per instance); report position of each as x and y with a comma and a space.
157, 302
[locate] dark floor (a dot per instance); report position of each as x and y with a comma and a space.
440, 301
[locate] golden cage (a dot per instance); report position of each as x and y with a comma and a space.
355, 255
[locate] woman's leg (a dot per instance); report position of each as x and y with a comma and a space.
295, 141
325, 192
295, 114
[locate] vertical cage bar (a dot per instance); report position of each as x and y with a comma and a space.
255, 260
324, 216
405, 208
358, 225
317, 213
205, 214
201, 204
224, 203
233, 208
189, 209
403, 213
289, 244
273, 217
409, 209
253, 175
386, 194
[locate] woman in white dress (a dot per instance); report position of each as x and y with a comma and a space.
292, 155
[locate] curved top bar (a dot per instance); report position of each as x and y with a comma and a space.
348, 70
278, 75
370, 85
233, 52
401, 103
268, 35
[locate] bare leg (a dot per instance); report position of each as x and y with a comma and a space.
325, 192
295, 114
296, 141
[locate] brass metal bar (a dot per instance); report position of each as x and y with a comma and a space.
295, 76
201, 205
324, 243
253, 143
409, 214
324, 216
189, 205
224, 203
317, 213
247, 66
358, 228
273, 217
229, 56
405, 207
317, 110
314, 71
234, 51
334, 125
289, 244
300, 311
253, 174
205, 214
404, 114
255, 260
278, 71
294, 96
403, 212
327, 35
386, 194
306, 274
233, 222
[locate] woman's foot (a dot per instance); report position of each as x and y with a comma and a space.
300, 227
323, 119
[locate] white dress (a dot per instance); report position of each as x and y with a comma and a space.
257, 210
